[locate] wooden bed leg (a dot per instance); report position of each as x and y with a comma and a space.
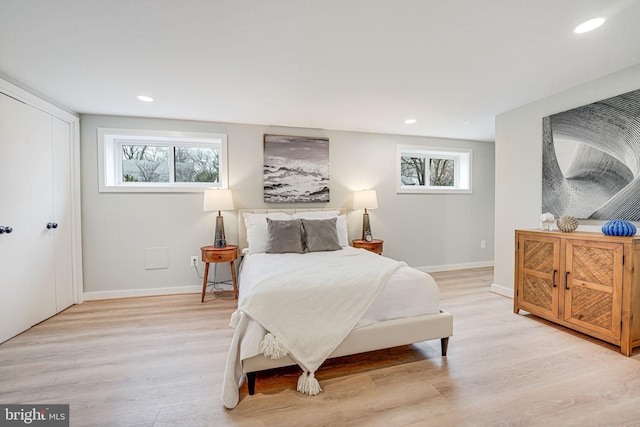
444, 343
251, 382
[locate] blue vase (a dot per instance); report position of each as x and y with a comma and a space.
618, 227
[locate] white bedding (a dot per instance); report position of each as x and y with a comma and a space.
408, 293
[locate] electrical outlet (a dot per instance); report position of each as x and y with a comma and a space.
194, 261
483, 244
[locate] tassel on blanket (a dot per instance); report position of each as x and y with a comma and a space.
271, 347
308, 384
302, 382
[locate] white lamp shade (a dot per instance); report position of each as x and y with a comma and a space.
218, 200
365, 199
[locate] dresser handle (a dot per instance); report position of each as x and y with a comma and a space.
553, 278
566, 280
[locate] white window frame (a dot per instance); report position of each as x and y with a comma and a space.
463, 161
110, 142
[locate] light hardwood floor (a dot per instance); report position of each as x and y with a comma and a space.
159, 361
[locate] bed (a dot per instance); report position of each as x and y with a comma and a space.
389, 318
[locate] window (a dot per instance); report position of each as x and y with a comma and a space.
423, 169
149, 161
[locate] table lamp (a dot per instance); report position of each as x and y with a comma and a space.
218, 200
365, 199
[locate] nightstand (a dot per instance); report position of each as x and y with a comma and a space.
374, 246
212, 254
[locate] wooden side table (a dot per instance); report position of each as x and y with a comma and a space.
212, 254
374, 246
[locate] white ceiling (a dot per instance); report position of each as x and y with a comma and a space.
359, 65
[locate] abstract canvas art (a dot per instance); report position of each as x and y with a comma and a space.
591, 160
296, 169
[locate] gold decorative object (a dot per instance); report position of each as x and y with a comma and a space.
567, 223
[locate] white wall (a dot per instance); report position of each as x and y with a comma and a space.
519, 164
431, 231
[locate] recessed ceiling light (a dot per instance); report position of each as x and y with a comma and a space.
145, 98
410, 121
467, 123
589, 25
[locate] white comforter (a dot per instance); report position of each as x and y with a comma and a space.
408, 292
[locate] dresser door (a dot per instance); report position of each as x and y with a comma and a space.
593, 286
538, 275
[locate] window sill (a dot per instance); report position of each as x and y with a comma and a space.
155, 189
433, 191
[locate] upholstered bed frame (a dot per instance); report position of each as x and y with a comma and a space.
377, 336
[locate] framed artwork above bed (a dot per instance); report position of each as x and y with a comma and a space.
296, 169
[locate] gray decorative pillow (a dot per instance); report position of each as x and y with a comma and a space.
321, 235
284, 236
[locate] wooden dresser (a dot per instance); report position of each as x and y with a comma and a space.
581, 280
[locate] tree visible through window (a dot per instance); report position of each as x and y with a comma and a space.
135, 160
413, 170
430, 169
142, 163
441, 172
197, 164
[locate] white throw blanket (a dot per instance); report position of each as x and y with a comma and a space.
309, 312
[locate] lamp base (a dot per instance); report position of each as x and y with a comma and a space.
219, 240
366, 227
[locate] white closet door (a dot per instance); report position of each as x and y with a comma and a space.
61, 189
27, 291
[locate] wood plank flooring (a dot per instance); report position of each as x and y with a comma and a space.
159, 361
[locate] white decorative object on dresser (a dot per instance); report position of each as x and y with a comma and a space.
39, 211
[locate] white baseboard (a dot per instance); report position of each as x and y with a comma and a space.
130, 293
449, 267
501, 290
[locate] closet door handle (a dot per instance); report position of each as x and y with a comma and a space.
553, 278
51, 225
566, 280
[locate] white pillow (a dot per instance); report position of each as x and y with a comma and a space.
343, 233
341, 225
256, 224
